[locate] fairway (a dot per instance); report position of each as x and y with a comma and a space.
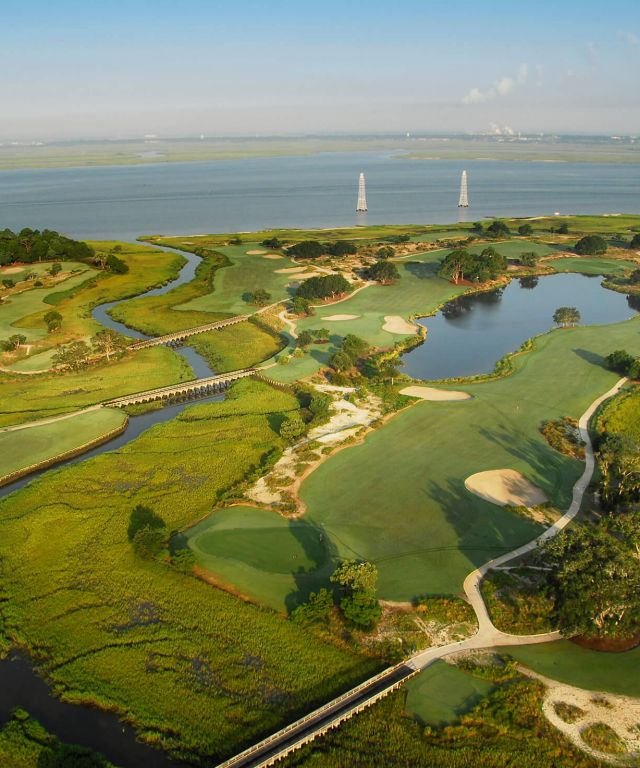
282, 560
593, 266
439, 694
592, 670
28, 446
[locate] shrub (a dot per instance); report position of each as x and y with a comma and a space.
568, 712
292, 428
304, 339
498, 229
635, 242
525, 230
183, 560
307, 249
116, 265
148, 542
300, 306
341, 248
386, 252
591, 245
316, 609
620, 361
143, 517
361, 609
383, 272
341, 361
271, 242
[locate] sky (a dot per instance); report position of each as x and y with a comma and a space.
115, 69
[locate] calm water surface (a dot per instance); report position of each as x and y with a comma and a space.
471, 333
317, 191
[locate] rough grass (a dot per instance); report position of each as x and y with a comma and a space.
28, 446
602, 737
439, 694
27, 398
197, 670
237, 346
592, 670
621, 415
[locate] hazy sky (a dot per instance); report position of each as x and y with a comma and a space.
111, 68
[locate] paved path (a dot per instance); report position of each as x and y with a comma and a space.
50, 419
281, 743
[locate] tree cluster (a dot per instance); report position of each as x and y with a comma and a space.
497, 229
259, 297
146, 532
566, 316
78, 354
460, 265
623, 363
356, 582
341, 248
591, 245
635, 242
323, 287
31, 245
351, 350
384, 272
307, 249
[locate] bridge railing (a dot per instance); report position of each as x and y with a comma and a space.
292, 727
177, 335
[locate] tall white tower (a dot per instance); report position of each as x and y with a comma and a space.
362, 196
463, 202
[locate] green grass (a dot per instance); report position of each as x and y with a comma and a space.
238, 346
283, 560
439, 694
621, 415
26, 398
195, 669
34, 444
595, 266
19, 306
399, 499
592, 670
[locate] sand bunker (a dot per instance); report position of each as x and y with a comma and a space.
291, 271
272, 256
335, 318
431, 393
256, 252
12, 270
505, 486
397, 324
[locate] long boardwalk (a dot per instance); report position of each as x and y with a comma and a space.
292, 737
179, 336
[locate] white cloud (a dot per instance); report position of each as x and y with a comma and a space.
502, 87
629, 37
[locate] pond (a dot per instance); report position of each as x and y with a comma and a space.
471, 333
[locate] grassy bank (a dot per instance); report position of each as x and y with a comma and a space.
137, 636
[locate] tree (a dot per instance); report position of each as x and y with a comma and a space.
320, 334
591, 245
361, 609
354, 346
341, 248
594, 581
635, 242
292, 428
74, 356
300, 306
386, 252
183, 560
55, 268
619, 361
70, 756
356, 576
8, 282
383, 272
563, 229
317, 608
454, 265
477, 227
566, 316
398, 239
529, 259
108, 342
304, 339
341, 361
323, 287
148, 542
498, 229
525, 230
619, 463
13, 342
236, 240
306, 249
53, 319
272, 242
115, 265
259, 297
634, 277
143, 517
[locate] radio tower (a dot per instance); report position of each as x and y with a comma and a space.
463, 202
362, 197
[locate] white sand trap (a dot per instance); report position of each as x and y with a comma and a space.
291, 271
272, 256
505, 486
336, 318
12, 270
397, 324
431, 393
255, 252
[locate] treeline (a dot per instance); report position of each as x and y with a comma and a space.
31, 245
478, 268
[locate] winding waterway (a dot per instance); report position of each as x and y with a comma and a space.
471, 333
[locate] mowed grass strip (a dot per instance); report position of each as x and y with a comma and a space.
27, 398
24, 447
139, 637
595, 266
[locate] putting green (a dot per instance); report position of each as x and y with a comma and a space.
593, 266
24, 447
245, 273
275, 560
441, 693
592, 670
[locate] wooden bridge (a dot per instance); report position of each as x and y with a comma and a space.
280, 744
193, 388
179, 336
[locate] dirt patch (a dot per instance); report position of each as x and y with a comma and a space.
397, 324
12, 270
336, 318
607, 644
256, 252
431, 393
505, 487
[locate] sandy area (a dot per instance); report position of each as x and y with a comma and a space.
431, 393
397, 324
336, 318
12, 270
505, 486
256, 252
291, 271
621, 713
271, 256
